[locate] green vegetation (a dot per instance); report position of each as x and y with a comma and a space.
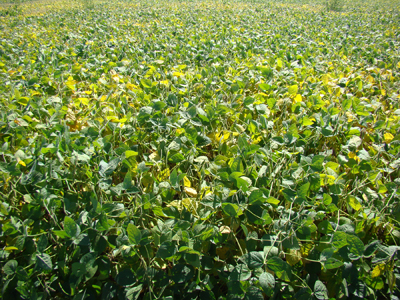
200, 149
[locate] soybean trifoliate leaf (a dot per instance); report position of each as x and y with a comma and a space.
281, 268
355, 245
240, 273
267, 281
320, 290
43, 261
332, 263
339, 239
253, 259
10, 267
70, 227
232, 210
134, 234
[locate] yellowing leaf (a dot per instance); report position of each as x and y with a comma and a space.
163, 175
388, 137
222, 252
293, 89
353, 202
306, 121
131, 86
191, 205
298, 98
293, 257
22, 163
180, 130
164, 82
186, 182
378, 270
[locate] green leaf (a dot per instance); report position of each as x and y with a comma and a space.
42, 243
327, 199
176, 158
264, 86
332, 263
325, 227
356, 246
339, 239
346, 104
317, 162
71, 228
281, 268
257, 197
167, 249
10, 267
173, 177
253, 259
230, 209
370, 249
130, 153
320, 290
273, 201
125, 277
193, 259
133, 293
240, 273
61, 234
254, 293
146, 83
134, 234
303, 190
271, 102
106, 169
182, 273
43, 261
267, 282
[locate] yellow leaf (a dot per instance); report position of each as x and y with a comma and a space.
298, 98
256, 139
378, 270
10, 248
354, 156
164, 82
353, 202
178, 74
186, 182
22, 163
131, 86
190, 191
388, 137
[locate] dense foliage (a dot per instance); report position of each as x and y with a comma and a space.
199, 149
